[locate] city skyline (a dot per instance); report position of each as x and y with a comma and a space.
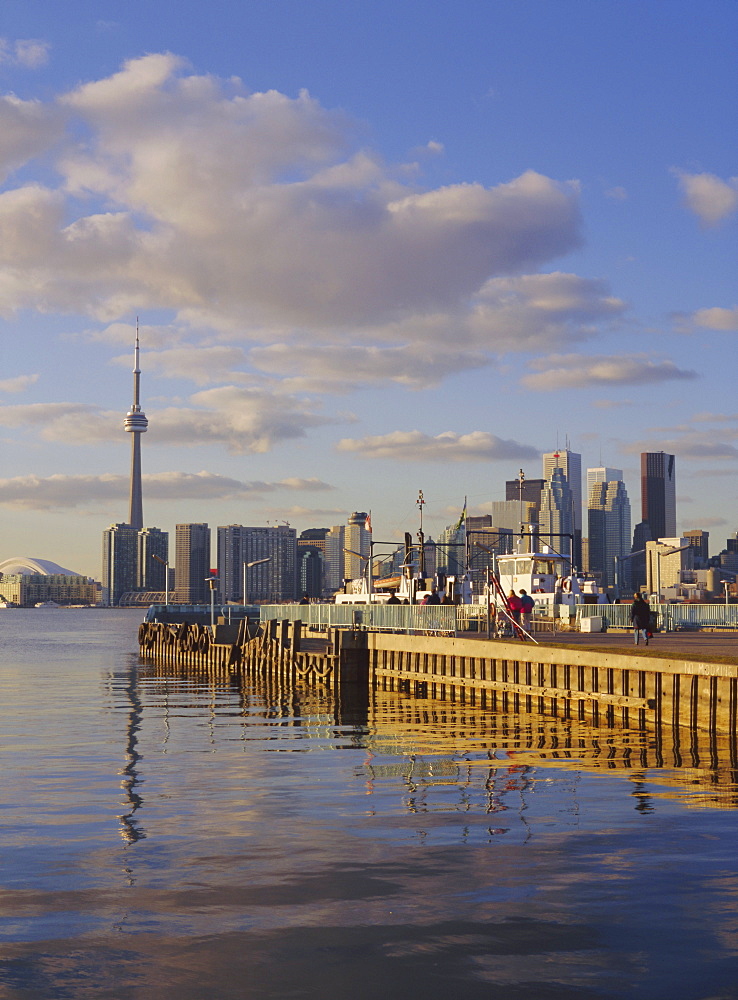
367, 246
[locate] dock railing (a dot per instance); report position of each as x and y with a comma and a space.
668, 617
452, 619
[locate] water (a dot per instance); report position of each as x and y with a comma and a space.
168, 837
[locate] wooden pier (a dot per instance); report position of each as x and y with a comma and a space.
611, 685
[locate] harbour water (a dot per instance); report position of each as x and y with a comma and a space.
172, 837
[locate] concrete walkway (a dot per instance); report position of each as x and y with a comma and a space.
694, 645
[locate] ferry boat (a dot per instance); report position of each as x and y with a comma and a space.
548, 578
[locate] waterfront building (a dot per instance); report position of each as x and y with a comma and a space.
119, 562
29, 589
658, 493
151, 572
556, 519
570, 463
192, 556
609, 526
272, 580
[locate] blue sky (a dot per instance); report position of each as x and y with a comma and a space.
373, 248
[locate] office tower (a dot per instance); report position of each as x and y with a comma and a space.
506, 513
529, 491
450, 550
192, 555
357, 545
570, 464
120, 562
658, 493
608, 519
641, 538
262, 558
602, 474
700, 542
310, 559
556, 518
484, 540
152, 572
136, 424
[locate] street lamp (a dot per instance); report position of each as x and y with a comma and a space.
247, 566
213, 582
669, 552
164, 563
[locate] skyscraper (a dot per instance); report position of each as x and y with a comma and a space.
192, 544
119, 562
136, 424
570, 464
272, 548
152, 572
556, 520
608, 518
658, 493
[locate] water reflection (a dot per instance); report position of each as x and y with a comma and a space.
299, 844
130, 828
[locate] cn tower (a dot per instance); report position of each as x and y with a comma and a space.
136, 424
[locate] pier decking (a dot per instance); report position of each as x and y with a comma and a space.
674, 682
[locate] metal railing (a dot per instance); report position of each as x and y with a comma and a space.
378, 617
669, 617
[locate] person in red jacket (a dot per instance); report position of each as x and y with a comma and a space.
516, 607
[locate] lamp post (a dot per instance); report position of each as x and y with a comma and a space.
212, 581
247, 566
669, 552
165, 563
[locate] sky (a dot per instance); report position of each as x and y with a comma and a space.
372, 248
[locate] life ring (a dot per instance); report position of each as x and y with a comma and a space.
566, 585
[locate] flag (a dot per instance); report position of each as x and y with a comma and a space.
368, 522
462, 516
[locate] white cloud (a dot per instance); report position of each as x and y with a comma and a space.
27, 52
717, 318
339, 368
579, 371
27, 128
537, 311
68, 491
617, 193
710, 198
689, 444
241, 419
448, 447
199, 364
18, 384
253, 211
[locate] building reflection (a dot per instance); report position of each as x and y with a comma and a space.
449, 755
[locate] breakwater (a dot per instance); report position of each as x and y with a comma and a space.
612, 688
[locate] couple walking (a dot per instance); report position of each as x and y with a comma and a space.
521, 609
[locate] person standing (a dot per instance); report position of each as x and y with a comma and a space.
640, 616
515, 605
526, 609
